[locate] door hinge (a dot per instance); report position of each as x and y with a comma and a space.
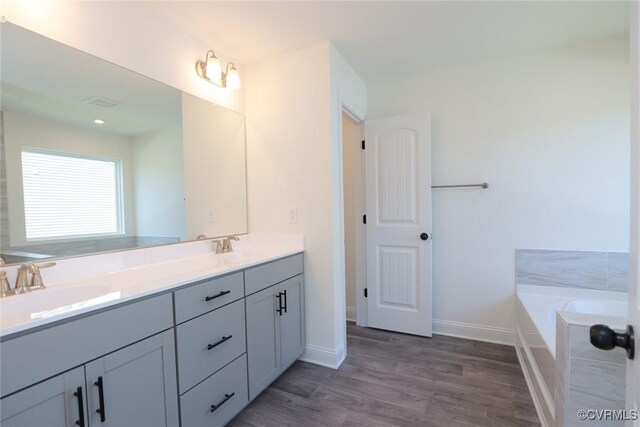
363, 144
365, 293
364, 219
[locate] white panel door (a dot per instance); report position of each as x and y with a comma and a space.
633, 366
398, 175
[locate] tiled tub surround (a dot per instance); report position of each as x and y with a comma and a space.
537, 344
586, 377
573, 269
76, 286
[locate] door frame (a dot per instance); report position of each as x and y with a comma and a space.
359, 192
633, 366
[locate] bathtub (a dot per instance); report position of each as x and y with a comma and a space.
536, 315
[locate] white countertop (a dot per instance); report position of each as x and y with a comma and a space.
85, 284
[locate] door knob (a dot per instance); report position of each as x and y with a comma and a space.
605, 338
424, 236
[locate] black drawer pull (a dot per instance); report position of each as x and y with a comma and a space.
222, 402
279, 309
78, 394
285, 301
100, 410
222, 293
214, 345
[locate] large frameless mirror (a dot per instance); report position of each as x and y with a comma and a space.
96, 158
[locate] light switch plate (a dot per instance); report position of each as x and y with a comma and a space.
293, 215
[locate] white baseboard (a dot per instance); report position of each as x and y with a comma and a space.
474, 332
530, 377
351, 314
323, 356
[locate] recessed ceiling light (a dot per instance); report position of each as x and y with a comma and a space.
99, 121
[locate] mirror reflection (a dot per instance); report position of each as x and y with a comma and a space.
96, 158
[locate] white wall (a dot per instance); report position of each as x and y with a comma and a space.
130, 34
27, 131
294, 158
549, 132
289, 165
158, 168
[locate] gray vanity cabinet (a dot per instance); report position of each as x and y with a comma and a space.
292, 320
134, 386
52, 403
263, 340
275, 331
208, 347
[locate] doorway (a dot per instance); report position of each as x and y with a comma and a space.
354, 229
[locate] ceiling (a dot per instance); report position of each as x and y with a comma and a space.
44, 78
392, 39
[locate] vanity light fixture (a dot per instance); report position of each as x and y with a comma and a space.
211, 70
98, 121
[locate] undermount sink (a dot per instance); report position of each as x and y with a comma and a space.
48, 302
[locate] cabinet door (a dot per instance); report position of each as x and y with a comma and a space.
135, 386
292, 321
263, 339
52, 403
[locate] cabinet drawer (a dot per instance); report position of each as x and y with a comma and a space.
206, 296
263, 276
207, 343
226, 390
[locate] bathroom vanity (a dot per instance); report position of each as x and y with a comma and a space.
189, 353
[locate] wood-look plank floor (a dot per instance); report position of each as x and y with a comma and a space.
391, 379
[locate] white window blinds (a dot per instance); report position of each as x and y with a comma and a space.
67, 195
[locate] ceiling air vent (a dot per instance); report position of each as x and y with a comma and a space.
101, 102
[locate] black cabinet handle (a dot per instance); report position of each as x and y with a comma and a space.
78, 394
285, 301
424, 236
214, 345
605, 338
279, 309
222, 402
100, 410
222, 293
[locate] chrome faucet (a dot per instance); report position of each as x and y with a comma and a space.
226, 244
23, 285
22, 281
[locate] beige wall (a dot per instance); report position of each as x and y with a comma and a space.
214, 169
26, 131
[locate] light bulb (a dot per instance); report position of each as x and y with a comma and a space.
233, 78
213, 70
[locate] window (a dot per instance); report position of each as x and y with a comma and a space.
68, 195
